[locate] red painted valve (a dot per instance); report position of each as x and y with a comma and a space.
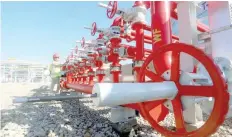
83, 42
111, 11
94, 29
218, 91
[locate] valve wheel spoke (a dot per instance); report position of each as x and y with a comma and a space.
175, 66
189, 90
153, 76
178, 114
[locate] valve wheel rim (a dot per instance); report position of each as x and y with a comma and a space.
112, 12
218, 91
94, 29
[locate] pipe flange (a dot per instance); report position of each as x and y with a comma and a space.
139, 15
85, 75
135, 14
104, 59
115, 50
82, 64
88, 64
115, 32
115, 68
100, 42
91, 73
79, 76
138, 63
103, 51
100, 72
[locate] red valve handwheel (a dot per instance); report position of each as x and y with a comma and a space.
81, 70
114, 7
83, 42
76, 49
94, 29
218, 90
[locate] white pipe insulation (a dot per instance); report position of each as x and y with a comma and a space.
103, 5
115, 94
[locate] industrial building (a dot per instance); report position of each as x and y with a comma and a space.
20, 71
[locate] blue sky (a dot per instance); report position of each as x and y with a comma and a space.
33, 31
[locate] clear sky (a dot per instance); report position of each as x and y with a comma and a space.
33, 31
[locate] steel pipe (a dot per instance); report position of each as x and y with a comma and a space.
50, 98
115, 94
80, 88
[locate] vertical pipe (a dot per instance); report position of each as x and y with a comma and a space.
100, 78
69, 77
116, 77
91, 80
139, 41
84, 80
76, 80
161, 31
115, 59
139, 36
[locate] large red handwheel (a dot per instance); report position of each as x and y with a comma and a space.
83, 42
218, 90
113, 9
94, 29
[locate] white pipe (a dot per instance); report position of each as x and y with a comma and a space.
114, 94
219, 16
104, 6
88, 28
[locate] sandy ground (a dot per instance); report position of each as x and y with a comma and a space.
11, 90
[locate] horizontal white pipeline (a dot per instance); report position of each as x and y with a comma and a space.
114, 94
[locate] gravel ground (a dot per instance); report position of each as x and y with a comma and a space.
66, 119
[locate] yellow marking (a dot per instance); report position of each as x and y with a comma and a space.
156, 35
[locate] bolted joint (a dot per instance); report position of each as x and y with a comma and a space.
100, 72
85, 75
121, 51
115, 68
104, 59
103, 51
115, 50
100, 42
91, 73
115, 32
81, 64
88, 64
136, 14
